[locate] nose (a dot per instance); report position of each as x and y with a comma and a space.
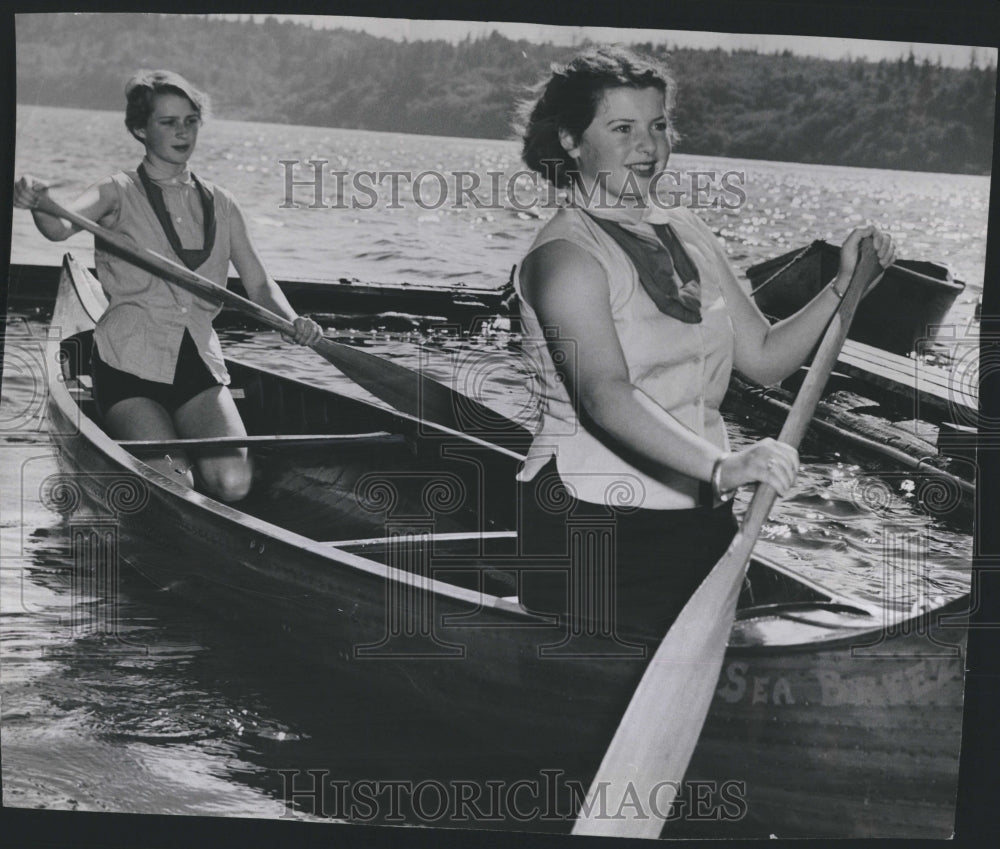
645, 142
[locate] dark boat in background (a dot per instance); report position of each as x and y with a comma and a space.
911, 301
389, 553
33, 287
901, 313
906, 385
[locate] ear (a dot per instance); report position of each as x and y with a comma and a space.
569, 143
140, 133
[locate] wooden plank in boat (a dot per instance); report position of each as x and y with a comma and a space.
341, 440
930, 387
906, 367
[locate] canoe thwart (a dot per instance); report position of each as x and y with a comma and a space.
802, 609
432, 538
342, 440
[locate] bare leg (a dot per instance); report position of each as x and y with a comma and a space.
144, 418
226, 472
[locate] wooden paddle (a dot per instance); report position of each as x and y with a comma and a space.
402, 388
632, 793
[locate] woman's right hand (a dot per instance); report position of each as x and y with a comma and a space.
28, 191
767, 461
884, 246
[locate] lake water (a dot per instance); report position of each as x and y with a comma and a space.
183, 719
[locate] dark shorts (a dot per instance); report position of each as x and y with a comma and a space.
615, 571
191, 377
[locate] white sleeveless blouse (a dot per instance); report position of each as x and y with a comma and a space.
142, 329
682, 368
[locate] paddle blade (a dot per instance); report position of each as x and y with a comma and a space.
646, 761
643, 767
415, 394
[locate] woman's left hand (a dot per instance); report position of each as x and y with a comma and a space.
884, 247
307, 331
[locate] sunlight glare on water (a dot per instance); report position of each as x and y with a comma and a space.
932, 216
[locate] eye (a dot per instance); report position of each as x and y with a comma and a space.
622, 128
660, 126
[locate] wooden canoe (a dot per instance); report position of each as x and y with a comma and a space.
387, 552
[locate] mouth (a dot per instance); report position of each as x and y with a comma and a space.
182, 148
643, 169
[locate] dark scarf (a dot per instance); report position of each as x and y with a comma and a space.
191, 258
667, 273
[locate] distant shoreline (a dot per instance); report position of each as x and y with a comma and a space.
720, 160
905, 114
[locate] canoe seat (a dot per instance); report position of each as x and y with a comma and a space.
482, 562
80, 388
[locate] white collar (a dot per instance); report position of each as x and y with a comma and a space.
623, 215
161, 175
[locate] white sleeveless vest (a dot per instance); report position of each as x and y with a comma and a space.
682, 368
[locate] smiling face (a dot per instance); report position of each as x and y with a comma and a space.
628, 140
171, 132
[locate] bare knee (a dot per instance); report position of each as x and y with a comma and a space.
228, 481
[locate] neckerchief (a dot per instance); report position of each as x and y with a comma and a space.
667, 273
192, 258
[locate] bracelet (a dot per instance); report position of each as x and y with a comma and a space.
716, 480
833, 288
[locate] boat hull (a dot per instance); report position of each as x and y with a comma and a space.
858, 740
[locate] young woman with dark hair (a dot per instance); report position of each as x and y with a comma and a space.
635, 319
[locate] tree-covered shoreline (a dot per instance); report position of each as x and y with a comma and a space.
901, 114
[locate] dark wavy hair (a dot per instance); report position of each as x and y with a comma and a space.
568, 101
145, 85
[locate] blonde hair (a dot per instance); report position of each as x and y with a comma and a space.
145, 85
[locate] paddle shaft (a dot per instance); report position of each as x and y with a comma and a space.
649, 754
801, 413
447, 411
168, 268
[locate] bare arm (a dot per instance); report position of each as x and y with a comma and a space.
569, 291
260, 287
768, 354
96, 202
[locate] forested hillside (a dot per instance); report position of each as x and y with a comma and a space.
901, 114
